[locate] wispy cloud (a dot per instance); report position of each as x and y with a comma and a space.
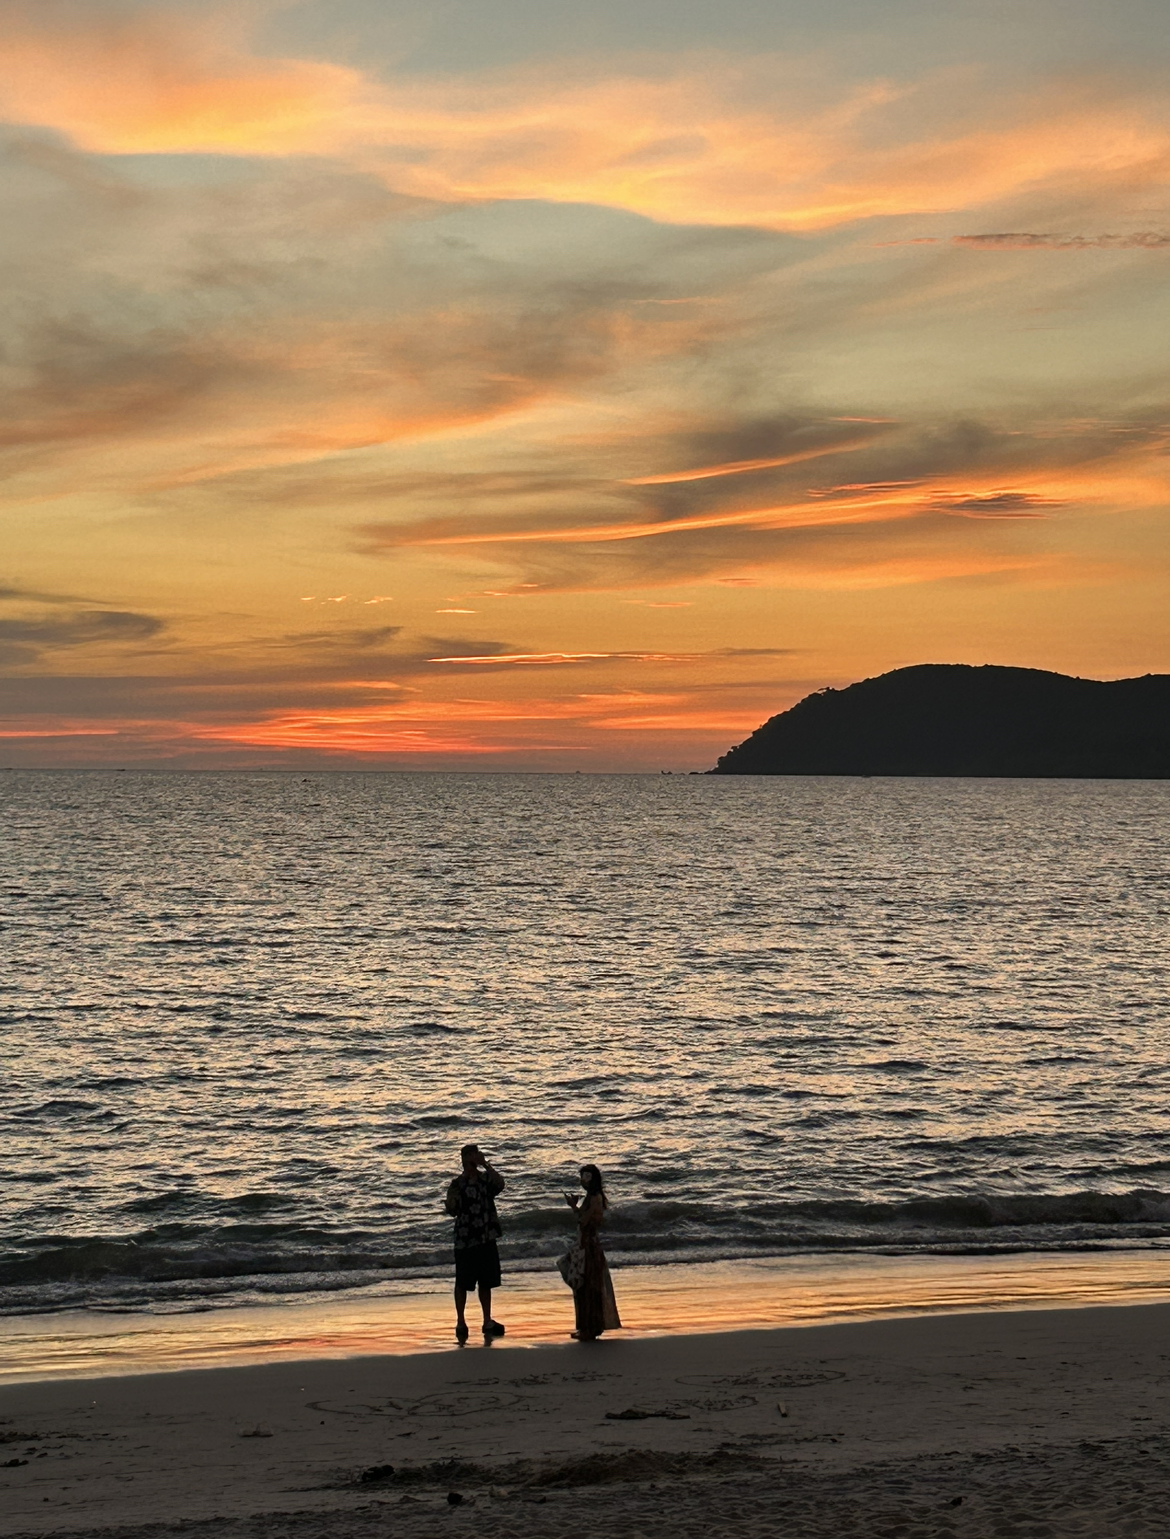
706, 138
742, 467
1140, 240
36, 625
926, 477
559, 659
276, 317
996, 505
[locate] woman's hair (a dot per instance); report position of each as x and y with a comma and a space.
596, 1186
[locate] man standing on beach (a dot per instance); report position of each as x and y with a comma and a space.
471, 1202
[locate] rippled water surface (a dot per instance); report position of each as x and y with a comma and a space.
247, 1020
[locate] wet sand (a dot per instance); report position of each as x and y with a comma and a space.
1025, 1422
680, 1299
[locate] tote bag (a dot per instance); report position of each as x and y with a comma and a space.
571, 1266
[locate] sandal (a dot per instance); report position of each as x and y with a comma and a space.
461, 1332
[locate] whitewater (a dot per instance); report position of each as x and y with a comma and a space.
247, 1020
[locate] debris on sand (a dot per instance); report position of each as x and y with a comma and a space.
635, 1415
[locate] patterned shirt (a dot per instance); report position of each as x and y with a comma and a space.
472, 1204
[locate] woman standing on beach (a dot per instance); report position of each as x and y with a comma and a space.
594, 1302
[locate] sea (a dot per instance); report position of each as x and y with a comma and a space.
248, 1019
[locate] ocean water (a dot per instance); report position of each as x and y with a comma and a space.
246, 1021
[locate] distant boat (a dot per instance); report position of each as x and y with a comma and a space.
951, 719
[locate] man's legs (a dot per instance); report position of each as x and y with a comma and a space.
461, 1331
485, 1299
489, 1278
474, 1269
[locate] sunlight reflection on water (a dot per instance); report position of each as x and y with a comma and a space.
248, 1019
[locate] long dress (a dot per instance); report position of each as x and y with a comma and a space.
594, 1302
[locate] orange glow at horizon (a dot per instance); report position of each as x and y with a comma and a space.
381, 730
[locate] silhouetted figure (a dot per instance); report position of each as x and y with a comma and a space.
471, 1202
594, 1303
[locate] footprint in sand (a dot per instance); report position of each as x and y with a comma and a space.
795, 1379
442, 1403
534, 1380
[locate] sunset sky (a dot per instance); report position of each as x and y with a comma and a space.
525, 384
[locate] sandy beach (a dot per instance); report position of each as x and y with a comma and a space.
1030, 1422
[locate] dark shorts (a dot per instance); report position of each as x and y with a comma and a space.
477, 1266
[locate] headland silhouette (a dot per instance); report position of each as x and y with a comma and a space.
953, 719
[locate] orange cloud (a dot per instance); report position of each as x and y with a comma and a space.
251, 394
35, 729
1130, 476
350, 737
555, 659
541, 659
697, 139
146, 83
986, 504
692, 721
995, 505
743, 467
417, 727
892, 505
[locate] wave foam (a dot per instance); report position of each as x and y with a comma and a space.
190, 1260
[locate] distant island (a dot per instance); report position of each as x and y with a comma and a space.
950, 719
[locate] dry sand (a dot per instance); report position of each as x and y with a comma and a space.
1031, 1423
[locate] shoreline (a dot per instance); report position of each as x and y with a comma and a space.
674, 1301
1029, 1421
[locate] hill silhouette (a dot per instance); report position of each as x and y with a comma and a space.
951, 719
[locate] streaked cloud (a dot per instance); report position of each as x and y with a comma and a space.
736, 467
558, 659
34, 626
964, 470
996, 505
1139, 240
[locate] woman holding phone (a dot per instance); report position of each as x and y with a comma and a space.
594, 1302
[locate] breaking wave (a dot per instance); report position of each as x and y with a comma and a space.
180, 1263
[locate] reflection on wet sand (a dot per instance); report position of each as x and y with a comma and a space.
537, 1308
